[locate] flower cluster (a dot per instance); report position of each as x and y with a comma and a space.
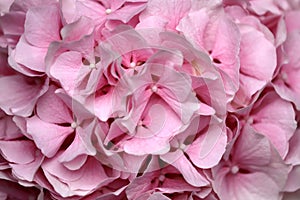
150, 99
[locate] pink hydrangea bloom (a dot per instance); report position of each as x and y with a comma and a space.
149, 99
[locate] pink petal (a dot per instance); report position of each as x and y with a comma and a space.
248, 187
194, 31
275, 118
81, 145
154, 138
12, 23
75, 163
48, 137
189, 172
91, 9
265, 172
252, 149
172, 10
127, 12
28, 171
80, 182
9, 128
20, 152
293, 156
207, 150
18, 94
254, 46
30, 56
68, 69
103, 105
285, 83
5, 4
292, 195
21, 68
158, 196
77, 30
50, 108
292, 183
291, 24
42, 25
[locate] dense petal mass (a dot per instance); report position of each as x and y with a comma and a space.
150, 99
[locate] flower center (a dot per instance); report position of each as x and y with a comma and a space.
182, 146
133, 65
92, 66
108, 11
74, 125
284, 76
235, 169
250, 120
161, 178
154, 88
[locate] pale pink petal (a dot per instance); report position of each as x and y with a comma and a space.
291, 24
172, 10
275, 118
254, 46
140, 185
81, 145
293, 183
158, 196
9, 128
72, 10
291, 195
194, 32
285, 83
103, 105
21, 152
19, 94
189, 172
48, 137
77, 30
79, 182
24, 69
158, 128
42, 25
30, 56
128, 11
261, 7
28, 171
4, 5
255, 170
12, 24
249, 86
207, 150
50, 108
68, 69
75, 163
252, 149
293, 156
248, 187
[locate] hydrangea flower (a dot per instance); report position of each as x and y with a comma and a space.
149, 99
